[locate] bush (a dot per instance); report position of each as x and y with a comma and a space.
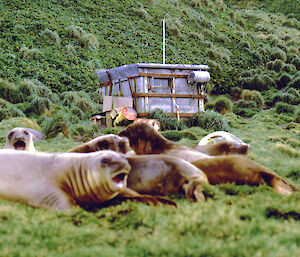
178, 135
245, 108
8, 110
55, 124
281, 107
283, 80
278, 54
293, 91
236, 92
223, 105
209, 120
83, 131
295, 83
39, 105
166, 122
253, 95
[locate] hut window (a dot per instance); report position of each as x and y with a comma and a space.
162, 83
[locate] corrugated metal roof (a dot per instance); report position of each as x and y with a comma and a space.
132, 70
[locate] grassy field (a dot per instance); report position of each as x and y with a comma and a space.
49, 54
233, 221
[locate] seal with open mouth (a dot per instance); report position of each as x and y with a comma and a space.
62, 180
20, 139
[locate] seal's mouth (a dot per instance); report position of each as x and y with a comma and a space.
120, 179
20, 145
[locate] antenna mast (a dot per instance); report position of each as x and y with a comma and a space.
164, 41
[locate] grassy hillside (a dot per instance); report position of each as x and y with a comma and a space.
62, 44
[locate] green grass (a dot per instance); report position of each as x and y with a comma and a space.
233, 221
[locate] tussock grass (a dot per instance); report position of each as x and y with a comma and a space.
29, 53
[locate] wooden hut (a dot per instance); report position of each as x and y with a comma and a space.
173, 88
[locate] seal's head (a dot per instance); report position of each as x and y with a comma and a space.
105, 142
19, 139
96, 177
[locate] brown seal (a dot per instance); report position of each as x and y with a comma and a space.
219, 169
62, 180
144, 139
109, 142
158, 174
162, 174
20, 139
223, 148
241, 170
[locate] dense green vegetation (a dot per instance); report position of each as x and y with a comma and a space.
49, 54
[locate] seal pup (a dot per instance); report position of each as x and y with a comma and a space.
223, 148
63, 180
105, 142
239, 169
162, 174
144, 139
20, 139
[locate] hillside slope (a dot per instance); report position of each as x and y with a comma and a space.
61, 44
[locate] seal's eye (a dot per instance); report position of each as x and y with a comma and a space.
103, 145
105, 160
10, 135
26, 133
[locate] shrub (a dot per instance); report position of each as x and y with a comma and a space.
278, 54
8, 110
253, 95
9, 124
223, 105
166, 122
27, 53
39, 105
209, 106
278, 65
83, 131
281, 107
87, 40
10, 92
293, 91
55, 124
209, 120
296, 62
245, 108
236, 92
295, 83
80, 99
290, 98
51, 36
178, 135
141, 12
283, 80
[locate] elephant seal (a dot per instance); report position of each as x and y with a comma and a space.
144, 139
20, 139
218, 169
162, 174
223, 148
62, 180
239, 169
159, 174
221, 136
111, 142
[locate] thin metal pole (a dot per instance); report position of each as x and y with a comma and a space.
164, 41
